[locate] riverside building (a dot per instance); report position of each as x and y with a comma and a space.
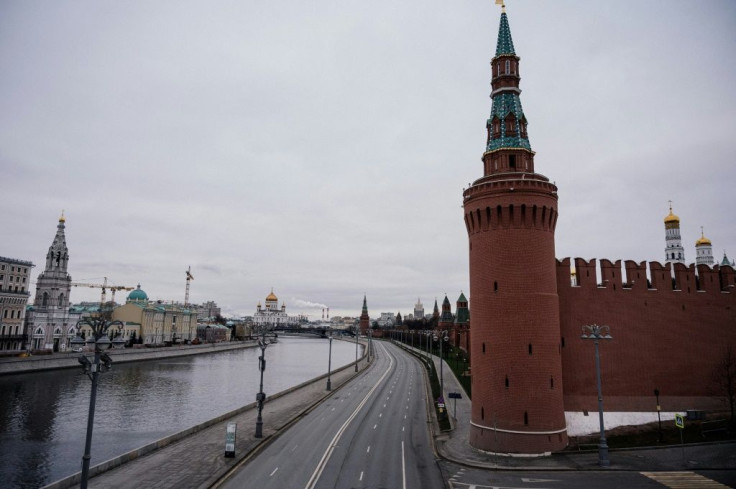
14, 295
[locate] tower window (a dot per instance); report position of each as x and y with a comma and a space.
551, 383
484, 347
508, 66
526, 418
482, 413
507, 381
495, 286
530, 348
512, 161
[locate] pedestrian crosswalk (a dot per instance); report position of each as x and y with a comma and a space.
684, 480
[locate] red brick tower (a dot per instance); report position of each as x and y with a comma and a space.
446, 318
510, 215
365, 320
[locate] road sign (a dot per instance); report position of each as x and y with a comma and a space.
454, 395
440, 404
680, 421
230, 439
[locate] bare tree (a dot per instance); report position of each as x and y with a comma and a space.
724, 377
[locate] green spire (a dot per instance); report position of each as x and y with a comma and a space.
505, 44
365, 306
506, 102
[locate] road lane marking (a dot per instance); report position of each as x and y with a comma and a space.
688, 479
294, 448
369, 449
403, 465
274, 471
361, 476
380, 415
331, 447
374, 426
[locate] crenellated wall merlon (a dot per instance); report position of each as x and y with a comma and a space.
645, 276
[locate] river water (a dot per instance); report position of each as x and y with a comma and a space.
43, 415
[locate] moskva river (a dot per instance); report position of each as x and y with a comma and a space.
43, 416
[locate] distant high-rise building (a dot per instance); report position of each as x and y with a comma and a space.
418, 309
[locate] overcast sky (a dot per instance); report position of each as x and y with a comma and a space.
321, 148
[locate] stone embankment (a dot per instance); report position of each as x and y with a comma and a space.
14, 365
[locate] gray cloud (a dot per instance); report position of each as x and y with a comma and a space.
322, 149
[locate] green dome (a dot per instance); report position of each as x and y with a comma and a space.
138, 295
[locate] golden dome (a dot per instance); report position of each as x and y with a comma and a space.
703, 241
671, 217
272, 297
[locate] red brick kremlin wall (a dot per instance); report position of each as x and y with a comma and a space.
664, 337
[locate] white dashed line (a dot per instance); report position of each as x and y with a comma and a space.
274, 471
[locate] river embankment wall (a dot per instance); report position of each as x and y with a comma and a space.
37, 363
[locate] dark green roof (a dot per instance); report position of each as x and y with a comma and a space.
462, 298
504, 104
505, 44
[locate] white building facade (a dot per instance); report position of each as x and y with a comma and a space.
272, 314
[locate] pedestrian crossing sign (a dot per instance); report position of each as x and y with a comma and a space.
680, 421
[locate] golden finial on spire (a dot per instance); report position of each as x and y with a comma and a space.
62, 218
502, 4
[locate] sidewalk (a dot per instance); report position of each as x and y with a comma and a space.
454, 446
195, 458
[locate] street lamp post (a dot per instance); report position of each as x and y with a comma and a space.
329, 365
443, 338
261, 396
357, 330
101, 363
370, 344
596, 333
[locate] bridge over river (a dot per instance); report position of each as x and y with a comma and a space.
43, 415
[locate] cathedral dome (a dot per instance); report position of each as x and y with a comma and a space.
138, 295
272, 296
671, 218
703, 241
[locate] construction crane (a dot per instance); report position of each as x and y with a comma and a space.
104, 286
190, 277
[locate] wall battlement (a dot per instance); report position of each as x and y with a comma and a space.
670, 326
646, 277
